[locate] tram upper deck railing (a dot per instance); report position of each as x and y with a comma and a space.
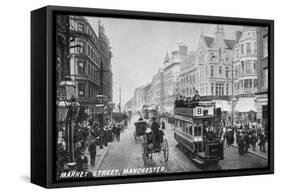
194, 108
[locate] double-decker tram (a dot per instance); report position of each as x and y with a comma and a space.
145, 112
197, 129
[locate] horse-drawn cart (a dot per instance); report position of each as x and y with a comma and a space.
140, 127
154, 143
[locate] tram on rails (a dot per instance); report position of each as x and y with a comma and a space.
149, 112
197, 129
145, 112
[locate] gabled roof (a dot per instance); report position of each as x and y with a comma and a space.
209, 41
230, 43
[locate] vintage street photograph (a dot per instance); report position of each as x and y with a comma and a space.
142, 97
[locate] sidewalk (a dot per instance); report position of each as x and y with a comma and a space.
101, 153
258, 153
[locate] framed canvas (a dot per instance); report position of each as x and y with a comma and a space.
126, 96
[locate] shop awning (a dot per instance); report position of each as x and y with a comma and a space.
245, 105
224, 105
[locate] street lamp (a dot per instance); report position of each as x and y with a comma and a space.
62, 110
67, 111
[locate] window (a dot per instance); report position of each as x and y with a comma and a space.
89, 50
255, 83
212, 89
81, 67
190, 129
80, 49
90, 91
237, 53
219, 89
227, 72
220, 69
236, 72
265, 46
81, 89
242, 67
265, 79
212, 71
242, 49
197, 130
80, 27
248, 85
227, 89
248, 67
248, 48
255, 48
92, 53
255, 66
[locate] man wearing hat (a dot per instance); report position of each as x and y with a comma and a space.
118, 130
93, 150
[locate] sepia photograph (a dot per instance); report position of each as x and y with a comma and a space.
144, 97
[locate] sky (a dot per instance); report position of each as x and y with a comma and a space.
139, 47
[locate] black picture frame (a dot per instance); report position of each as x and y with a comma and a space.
43, 97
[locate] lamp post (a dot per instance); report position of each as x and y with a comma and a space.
111, 106
67, 111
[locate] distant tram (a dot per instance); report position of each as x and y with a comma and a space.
150, 111
197, 129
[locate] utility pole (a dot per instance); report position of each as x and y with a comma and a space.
101, 114
232, 93
119, 102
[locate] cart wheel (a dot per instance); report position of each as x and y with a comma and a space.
166, 150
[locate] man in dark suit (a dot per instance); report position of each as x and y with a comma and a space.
92, 150
155, 132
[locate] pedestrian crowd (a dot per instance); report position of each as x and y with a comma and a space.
86, 136
248, 136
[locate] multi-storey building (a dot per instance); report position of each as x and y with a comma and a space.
188, 76
90, 61
245, 73
214, 58
262, 75
106, 55
209, 70
148, 94
139, 96
158, 88
62, 45
172, 67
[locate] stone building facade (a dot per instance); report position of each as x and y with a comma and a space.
262, 75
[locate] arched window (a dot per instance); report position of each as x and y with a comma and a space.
227, 72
